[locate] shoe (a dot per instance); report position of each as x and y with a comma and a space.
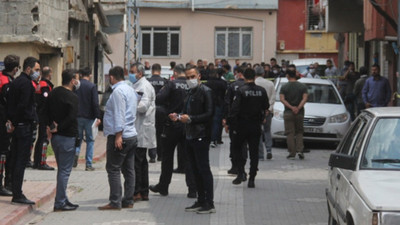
213, 144
244, 177
71, 204
108, 207
251, 184
137, 197
233, 171
177, 170
301, 156
152, 160
269, 155
66, 207
29, 164
76, 158
5, 192
127, 206
291, 157
22, 200
206, 209
90, 168
191, 194
45, 167
220, 142
196, 206
238, 179
156, 189
145, 197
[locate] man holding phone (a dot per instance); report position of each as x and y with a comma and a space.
119, 127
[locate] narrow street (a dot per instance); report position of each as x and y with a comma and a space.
288, 192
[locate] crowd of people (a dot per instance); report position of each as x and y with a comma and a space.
154, 116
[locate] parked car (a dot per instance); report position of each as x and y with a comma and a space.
326, 118
303, 64
166, 72
364, 175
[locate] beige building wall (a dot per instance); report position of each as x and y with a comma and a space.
197, 39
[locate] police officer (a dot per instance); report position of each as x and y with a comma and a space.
230, 93
245, 117
173, 94
11, 64
22, 113
158, 82
42, 92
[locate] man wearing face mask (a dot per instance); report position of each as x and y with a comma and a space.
11, 64
276, 71
22, 113
145, 126
88, 113
197, 116
312, 73
62, 111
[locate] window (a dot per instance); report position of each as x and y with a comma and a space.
316, 14
233, 42
160, 41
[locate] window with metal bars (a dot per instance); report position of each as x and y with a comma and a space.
160, 41
316, 14
233, 42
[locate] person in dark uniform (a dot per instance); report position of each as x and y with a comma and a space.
173, 94
245, 118
230, 93
157, 82
22, 112
42, 92
11, 64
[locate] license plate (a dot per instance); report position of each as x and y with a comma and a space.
312, 130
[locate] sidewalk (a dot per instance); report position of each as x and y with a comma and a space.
42, 192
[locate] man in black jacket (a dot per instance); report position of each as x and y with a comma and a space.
11, 64
22, 112
196, 115
245, 117
42, 92
173, 95
88, 115
62, 111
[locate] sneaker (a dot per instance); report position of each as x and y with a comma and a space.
301, 156
232, 171
291, 157
206, 209
238, 179
269, 155
194, 208
213, 145
251, 184
90, 168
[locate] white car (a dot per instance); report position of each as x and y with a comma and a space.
364, 175
326, 118
303, 64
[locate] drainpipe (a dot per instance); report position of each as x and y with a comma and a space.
240, 17
192, 5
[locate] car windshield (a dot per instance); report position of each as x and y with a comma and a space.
318, 93
383, 149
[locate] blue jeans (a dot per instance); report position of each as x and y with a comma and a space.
217, 123
86, 125
266, 133
64, 151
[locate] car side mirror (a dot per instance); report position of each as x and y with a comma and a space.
342, 161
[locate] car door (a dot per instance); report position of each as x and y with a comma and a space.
352, 147
336, 181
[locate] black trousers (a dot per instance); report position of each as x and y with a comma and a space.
5, 160
250, 132
198, 153
39, 156
174, 135
232, 151
141, 172
157, 152
22, 141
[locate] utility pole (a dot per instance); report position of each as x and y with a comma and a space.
132, 37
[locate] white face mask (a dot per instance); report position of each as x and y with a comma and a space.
192, 83
78, 85
275, 71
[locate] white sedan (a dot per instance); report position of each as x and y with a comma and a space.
364, 175
326, 118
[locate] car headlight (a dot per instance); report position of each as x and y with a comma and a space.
340, 118
278, 115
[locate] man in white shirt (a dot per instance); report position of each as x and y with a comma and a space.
266, 133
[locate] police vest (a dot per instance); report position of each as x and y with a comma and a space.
3, 81
38, 87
